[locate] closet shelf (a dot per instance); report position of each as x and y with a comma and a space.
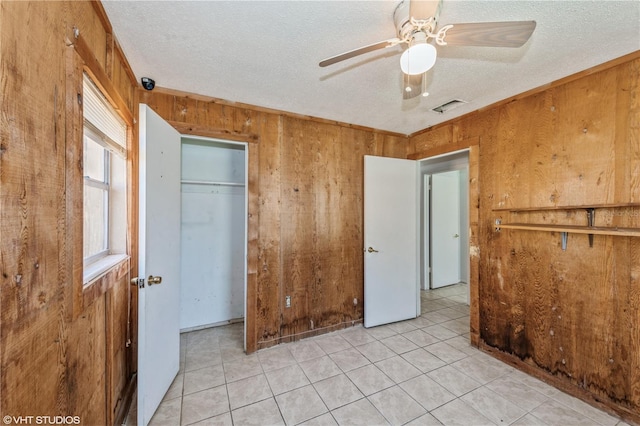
574, 229
211, 183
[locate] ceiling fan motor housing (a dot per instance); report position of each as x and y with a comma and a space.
429, 9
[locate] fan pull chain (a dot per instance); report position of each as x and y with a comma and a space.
424, 85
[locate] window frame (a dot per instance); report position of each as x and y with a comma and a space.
97, 264
95, 136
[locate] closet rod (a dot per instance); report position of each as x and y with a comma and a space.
206, 182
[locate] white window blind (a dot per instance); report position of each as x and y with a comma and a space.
99, 115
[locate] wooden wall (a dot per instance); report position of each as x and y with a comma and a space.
305, 210
571, 317
63, 349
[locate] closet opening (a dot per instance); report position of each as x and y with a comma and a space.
213, 234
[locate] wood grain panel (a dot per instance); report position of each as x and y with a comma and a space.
33, 303
298, 236
33, 367
123, 79
337, 241
352, 205
71, 255
439, 137
163, 105
583, 140
54, 350
474, 242
83, 17
568, 314
268, 298
386, 145
527, 286
631, 216
118, 369
86, 365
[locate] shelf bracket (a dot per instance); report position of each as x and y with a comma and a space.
591, 216
564, 236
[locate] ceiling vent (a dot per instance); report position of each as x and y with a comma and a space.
448, 105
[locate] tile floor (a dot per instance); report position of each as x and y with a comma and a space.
416, 372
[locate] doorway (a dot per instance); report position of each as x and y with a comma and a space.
444, 220
213, 233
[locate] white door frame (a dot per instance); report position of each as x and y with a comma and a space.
426, 236
246, 210
425, 217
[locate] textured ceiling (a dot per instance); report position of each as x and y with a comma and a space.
266, 53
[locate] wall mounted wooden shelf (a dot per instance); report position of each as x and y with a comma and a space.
581, 207
594, 230
564, 230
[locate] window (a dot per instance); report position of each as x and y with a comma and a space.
96, 197
104, 163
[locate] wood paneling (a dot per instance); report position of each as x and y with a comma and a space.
62, 349
306, 177
34, 330
571, 317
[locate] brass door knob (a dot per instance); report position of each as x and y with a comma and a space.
154, 280
372, 250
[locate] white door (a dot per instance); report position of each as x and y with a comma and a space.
426, 242
159, 256
445, 228
391, 287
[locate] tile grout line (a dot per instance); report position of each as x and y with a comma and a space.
447, 311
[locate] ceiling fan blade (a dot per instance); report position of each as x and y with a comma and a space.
414, 82
424, 9
489, 34
365, 49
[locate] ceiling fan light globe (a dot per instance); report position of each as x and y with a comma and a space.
418, 59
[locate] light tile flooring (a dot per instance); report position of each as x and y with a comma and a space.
416, 372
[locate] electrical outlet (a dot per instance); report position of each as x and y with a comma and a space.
287, 301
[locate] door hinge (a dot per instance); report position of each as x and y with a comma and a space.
138, 281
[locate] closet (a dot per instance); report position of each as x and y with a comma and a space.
213, 232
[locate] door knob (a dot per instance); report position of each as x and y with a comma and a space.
154, 280
456, 236
372, 250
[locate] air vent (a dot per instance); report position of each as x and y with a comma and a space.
448, 105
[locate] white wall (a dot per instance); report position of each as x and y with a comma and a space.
213, 233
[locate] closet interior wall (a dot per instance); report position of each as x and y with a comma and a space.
213, 233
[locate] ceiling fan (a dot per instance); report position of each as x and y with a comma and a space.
416, 24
